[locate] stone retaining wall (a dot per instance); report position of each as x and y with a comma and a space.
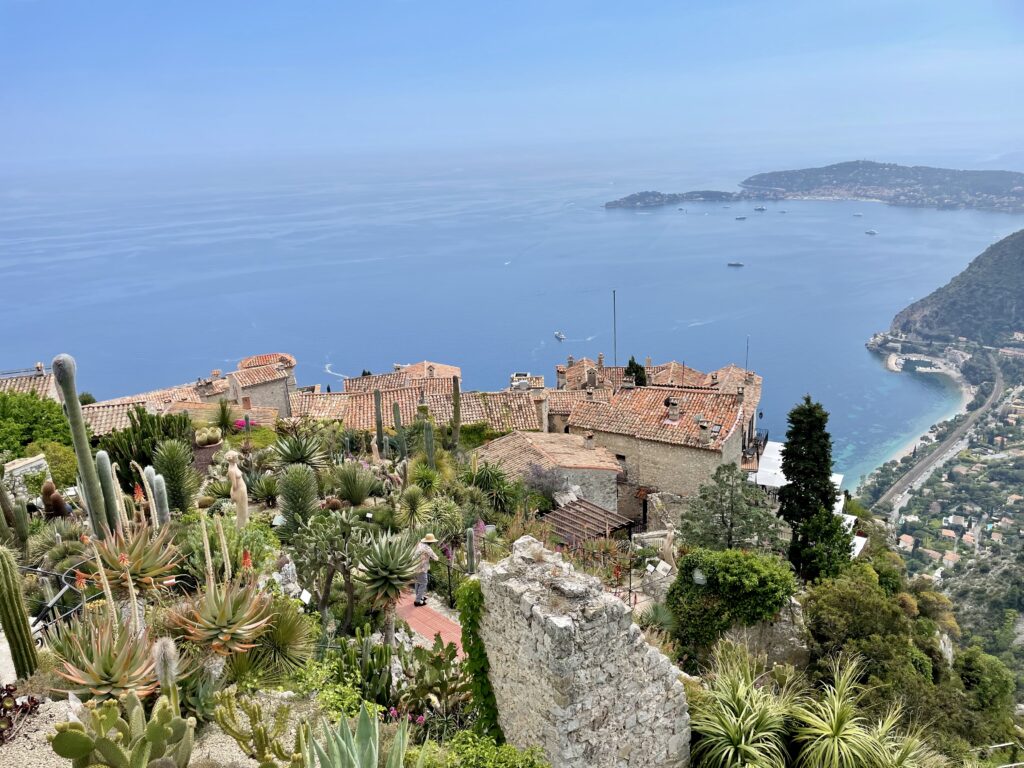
571, 671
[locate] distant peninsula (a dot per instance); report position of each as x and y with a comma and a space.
918, 186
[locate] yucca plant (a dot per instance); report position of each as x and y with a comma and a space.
218, 489
412, 510
305, 449
148, 561
298, 498
341, 747
354, 484
264, 489
102, 661
425, 476
740, 724
173, 459
287, 643
445, 518
226, 618
904, 747
831, 730
388, 565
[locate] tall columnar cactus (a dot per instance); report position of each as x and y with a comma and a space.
378, 420
21, 521
428, 443
403, 445
110, 490
14, 617
470, 550
456, 412
163, 509
6, 504
6, 533
64, 372
149, 486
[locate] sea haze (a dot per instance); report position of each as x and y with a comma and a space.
152, 284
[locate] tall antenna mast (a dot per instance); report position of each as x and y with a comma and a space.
746, 360
615, 332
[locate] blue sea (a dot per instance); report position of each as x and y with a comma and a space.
157, 278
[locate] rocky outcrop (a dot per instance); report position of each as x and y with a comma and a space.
572, 673
782, 640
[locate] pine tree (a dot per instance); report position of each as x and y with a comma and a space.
729, 513
807, 465
637, 371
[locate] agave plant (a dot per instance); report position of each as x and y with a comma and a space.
103, 662
57, 546
135, 554
218, 489
388, 565
298, 498
359, 748
304, 449
227, 618
264, 489
353, 483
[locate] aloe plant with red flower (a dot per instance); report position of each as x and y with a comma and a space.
148, 560
227, 617
101, 662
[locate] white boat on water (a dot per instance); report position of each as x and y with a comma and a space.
559, 335
871, 232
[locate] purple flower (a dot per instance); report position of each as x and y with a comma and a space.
447, 550
480, 527
421, 720
393, 712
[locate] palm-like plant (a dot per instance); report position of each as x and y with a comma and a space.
739, 722
904, 748
224, 419
354, 484
297, 498
227, 618
148, 561
102, 662
388, 565
287, 644
425, 476
264, 489
173, 459
493, 481
306, 449
412, 510
831, 731
445, 518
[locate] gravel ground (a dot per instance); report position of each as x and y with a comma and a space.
30, 749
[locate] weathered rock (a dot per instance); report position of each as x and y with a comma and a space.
782, 640
571, 672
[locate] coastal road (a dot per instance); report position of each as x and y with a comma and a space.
925, 467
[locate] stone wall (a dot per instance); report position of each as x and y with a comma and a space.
572, 673
599, 486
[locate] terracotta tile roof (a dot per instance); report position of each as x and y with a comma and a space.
212, 387
674, 374
515, 453
528, 381
104, 418
643, 414
502, 411
43, 385
254, 377
159, 396
319, 405
381, 381
273, 358
580, 520
561, 401
208, 411
441, 370
406, 376
730, 378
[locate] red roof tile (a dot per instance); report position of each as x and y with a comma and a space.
272, 358
561, 401
254, 377
104, 418
43, 385
502, 411
517, 451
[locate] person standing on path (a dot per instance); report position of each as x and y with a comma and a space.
426, 554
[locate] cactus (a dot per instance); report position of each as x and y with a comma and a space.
165, 663
110, 490
378, 420
6, 534
403, 445
92, 493
163, 510
260, 735
104, 736
6, 504
428, 443
470, 550
21, 528
456, 412
14, 617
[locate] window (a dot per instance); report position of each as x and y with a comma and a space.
622, 462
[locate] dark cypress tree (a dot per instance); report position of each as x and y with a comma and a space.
637, 371
807, 465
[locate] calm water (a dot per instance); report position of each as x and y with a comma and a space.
151, 284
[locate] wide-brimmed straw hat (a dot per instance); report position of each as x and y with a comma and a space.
428, 539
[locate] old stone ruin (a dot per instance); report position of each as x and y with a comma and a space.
572, 673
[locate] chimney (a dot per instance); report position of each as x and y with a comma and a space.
628, 382
714, 378
673, 409
590, 393
39, 369
570, 362
588, 441
739, 394
600, 359
540, 402
397, 367
430, 371
559, 377
647, 362
215, 373
591, 378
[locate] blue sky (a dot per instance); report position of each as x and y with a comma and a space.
130, 78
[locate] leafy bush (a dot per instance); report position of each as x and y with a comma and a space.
25, 418
471, 605
470, 750
61, 460
335, 687
739, 588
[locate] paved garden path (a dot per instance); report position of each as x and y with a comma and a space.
427, 622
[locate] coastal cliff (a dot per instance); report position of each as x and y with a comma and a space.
983, 303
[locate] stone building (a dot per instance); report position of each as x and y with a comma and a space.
572, 673
669, 439
38, 381
576, 458
403, 375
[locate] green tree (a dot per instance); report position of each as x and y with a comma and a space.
25, 418
331, 544
807, 465
637, 371
86, 398
61, 460
729, 513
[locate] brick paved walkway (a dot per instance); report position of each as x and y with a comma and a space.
427, 622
